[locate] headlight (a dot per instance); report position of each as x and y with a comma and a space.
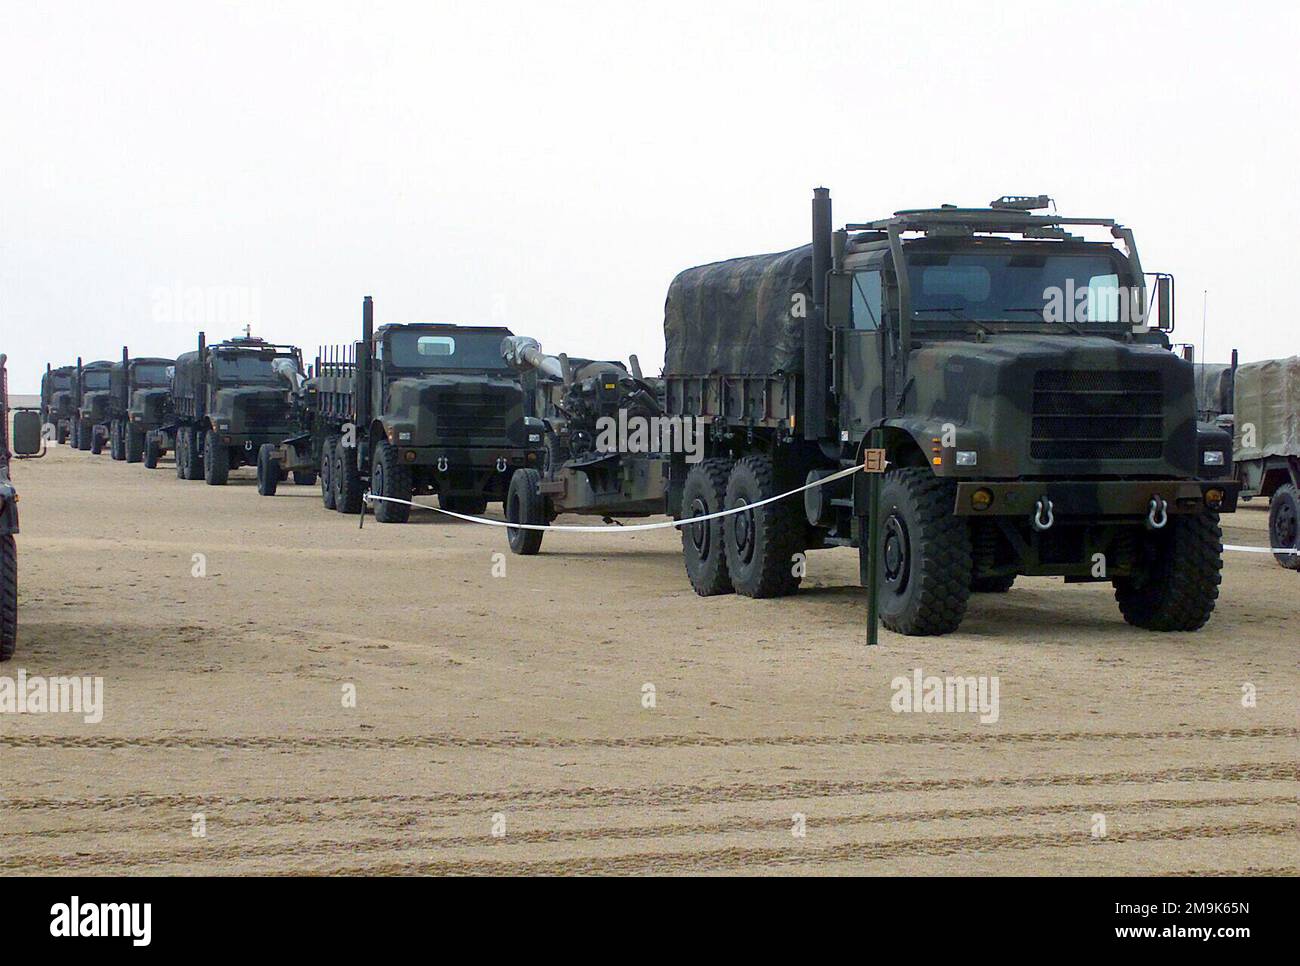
534, 437
1214, 457
967, 457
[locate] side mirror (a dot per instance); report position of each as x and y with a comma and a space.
1165, 302
839, 300
27, 432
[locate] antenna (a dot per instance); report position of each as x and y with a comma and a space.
1205, 306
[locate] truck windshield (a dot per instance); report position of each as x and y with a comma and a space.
462, 349
246, 367
95, 378
1014, 287
62, 380
151, 375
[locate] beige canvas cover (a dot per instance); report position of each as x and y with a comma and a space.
1268, 398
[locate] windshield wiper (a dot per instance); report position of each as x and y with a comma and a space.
1039, 312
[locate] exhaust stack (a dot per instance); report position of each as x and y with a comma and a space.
816, 350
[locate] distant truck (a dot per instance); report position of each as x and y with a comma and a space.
1032, 414
1265, 406
422, 408
580, 473
300, 453
58, 408
26, 441
229, 398
140, 400
91, 395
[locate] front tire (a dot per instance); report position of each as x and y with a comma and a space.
133, 444
390, 478
525, 504
8, 596
1177, 575
348, 491
1284, 525
84, 432
152, 454
761, 543
705, 492
268, 470
925, 554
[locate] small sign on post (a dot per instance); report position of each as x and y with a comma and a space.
874, 460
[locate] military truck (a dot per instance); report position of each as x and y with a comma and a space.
140, 400
422, 408
583, 471
1265, 407
26, 441
1019, 382
57, 395
230, 398
90, 405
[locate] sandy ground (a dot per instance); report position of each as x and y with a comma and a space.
514, 705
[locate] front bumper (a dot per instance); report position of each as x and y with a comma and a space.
1093, 499
471, 457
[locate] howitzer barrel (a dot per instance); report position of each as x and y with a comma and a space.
520, 352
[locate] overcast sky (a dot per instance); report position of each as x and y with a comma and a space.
551, 166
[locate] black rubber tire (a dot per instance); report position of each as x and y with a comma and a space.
390, 477
348, 489
992, 585
524, 504
705, 492
96, 443
304, 477
1284, 525
151, 454
471, 506
8, 596
327, 471
133, 444
925, 554
1179, 575
182, 453
216, 459
116, 442
84, 432
761, 544
61, 434
268, 470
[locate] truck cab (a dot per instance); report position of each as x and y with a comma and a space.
91, 395
57, 401
140, 401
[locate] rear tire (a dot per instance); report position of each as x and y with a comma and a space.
348, 491
1284, 525
391, 478
992, 585
8, 596
151, 454
761, 543
268, 470
925, 554
525, 504
1178, 575
216, 459
327, 471
705, 492
133, 445
470, 506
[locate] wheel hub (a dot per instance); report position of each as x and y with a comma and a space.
699, 532
743, 533
896, 553
1286, 526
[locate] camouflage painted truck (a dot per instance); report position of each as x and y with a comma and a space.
229, 398
57, 407
140, 401
26, 441
422, 408
1266, 446
90, 405
581, 472
1034, 421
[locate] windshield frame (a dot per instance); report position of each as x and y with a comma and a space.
491, 336
218, 355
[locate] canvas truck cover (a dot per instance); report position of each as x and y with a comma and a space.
739, 316
1213, 383
1268, 398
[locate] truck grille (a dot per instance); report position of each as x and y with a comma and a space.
1097, 415
482, 416
265, 412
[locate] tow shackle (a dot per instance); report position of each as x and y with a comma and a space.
1157, 512
1043, 518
